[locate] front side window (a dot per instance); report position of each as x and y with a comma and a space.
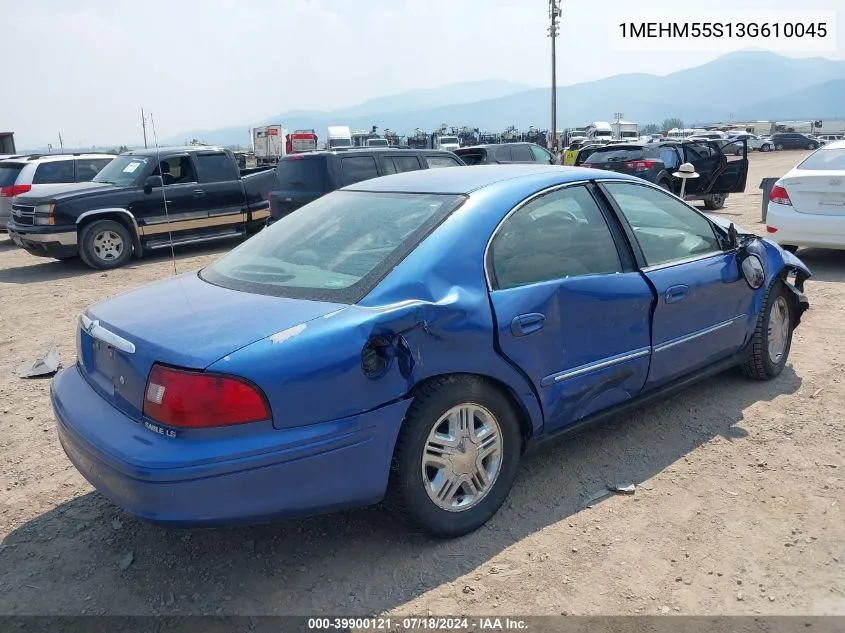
541, 155
441, 161
335, 248
558, 235
176, 170
667, 229
58, 171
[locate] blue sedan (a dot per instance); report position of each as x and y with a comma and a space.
408, 338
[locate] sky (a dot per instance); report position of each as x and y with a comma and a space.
85, 68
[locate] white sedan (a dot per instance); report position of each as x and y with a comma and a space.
755, 142
807, 206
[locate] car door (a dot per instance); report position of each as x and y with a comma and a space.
520, 153
717, 172
219, 191
703, 305
570, 309
173, 208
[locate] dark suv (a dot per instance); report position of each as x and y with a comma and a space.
793, 140
302, 178
505, 153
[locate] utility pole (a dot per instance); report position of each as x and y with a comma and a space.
144, 127
553, 31
61, 144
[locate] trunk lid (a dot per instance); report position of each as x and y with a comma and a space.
818, 193
183, 321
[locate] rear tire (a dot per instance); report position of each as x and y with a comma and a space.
105, 244
772, 337
441, 456
715, 201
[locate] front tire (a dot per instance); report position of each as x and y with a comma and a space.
765, 148
811, 146
456, 457
105, 244
715, 201
772, 337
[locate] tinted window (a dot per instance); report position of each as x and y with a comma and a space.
441, 161
53, 172
669, 157
9, 174
216, 167
503, 153
301, 174
338, 250
87, 168
561, 234
606, 156
666, 229
176, 170
540, 155
387, 165
696, 151
406, 163
825, 159
521, 153
358, 168
473, 157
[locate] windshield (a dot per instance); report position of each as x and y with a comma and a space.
122, 170
448, 140
335, 249
340, 142
824, 160
377, 142
602, 133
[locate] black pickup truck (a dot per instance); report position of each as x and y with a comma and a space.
141, 201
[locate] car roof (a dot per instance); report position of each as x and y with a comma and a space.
369, 150
465, 180
45, 158
152, 151
489, 145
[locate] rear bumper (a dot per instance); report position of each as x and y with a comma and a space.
270, 474
57, 242
804, 229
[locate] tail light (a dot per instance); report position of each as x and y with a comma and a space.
192, 399
640, 165
14, 190
778, 195
771, 229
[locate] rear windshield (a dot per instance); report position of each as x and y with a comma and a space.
473, 156
335, 249
9, 173
824, 159
615, 154
302, 174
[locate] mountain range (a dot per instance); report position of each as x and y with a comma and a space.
746, 85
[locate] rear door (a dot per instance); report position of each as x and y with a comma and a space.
708, 162
521, 153
220, 190
357, 168
503, 153
703, 310
300, 179
571, 310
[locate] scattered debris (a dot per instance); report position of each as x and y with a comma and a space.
817, 392
625, 489
126, 561
469, 589
116, 524
45, 366
596, 496
664, 609
740, 597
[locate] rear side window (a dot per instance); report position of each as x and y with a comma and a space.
825, 159
358, 168
609, 156
503, 153
87, 168
301, 174
58, 171
473, 157
406, 163
216, 167
9, 174
522, 154
441, 161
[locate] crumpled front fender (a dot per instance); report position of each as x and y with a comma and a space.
781, 264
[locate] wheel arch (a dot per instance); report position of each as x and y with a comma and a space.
527, 426
122, 216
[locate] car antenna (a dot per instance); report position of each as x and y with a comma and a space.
163, 195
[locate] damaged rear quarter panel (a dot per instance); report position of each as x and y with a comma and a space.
433, 308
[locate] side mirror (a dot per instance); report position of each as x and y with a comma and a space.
152, 182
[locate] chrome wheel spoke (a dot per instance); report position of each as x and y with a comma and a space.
778, 330
462, 457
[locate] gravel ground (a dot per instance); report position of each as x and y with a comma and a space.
740, 509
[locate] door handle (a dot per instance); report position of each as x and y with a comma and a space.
198, 193
526, 324
676, 293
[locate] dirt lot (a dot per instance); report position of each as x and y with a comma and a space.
741, 511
